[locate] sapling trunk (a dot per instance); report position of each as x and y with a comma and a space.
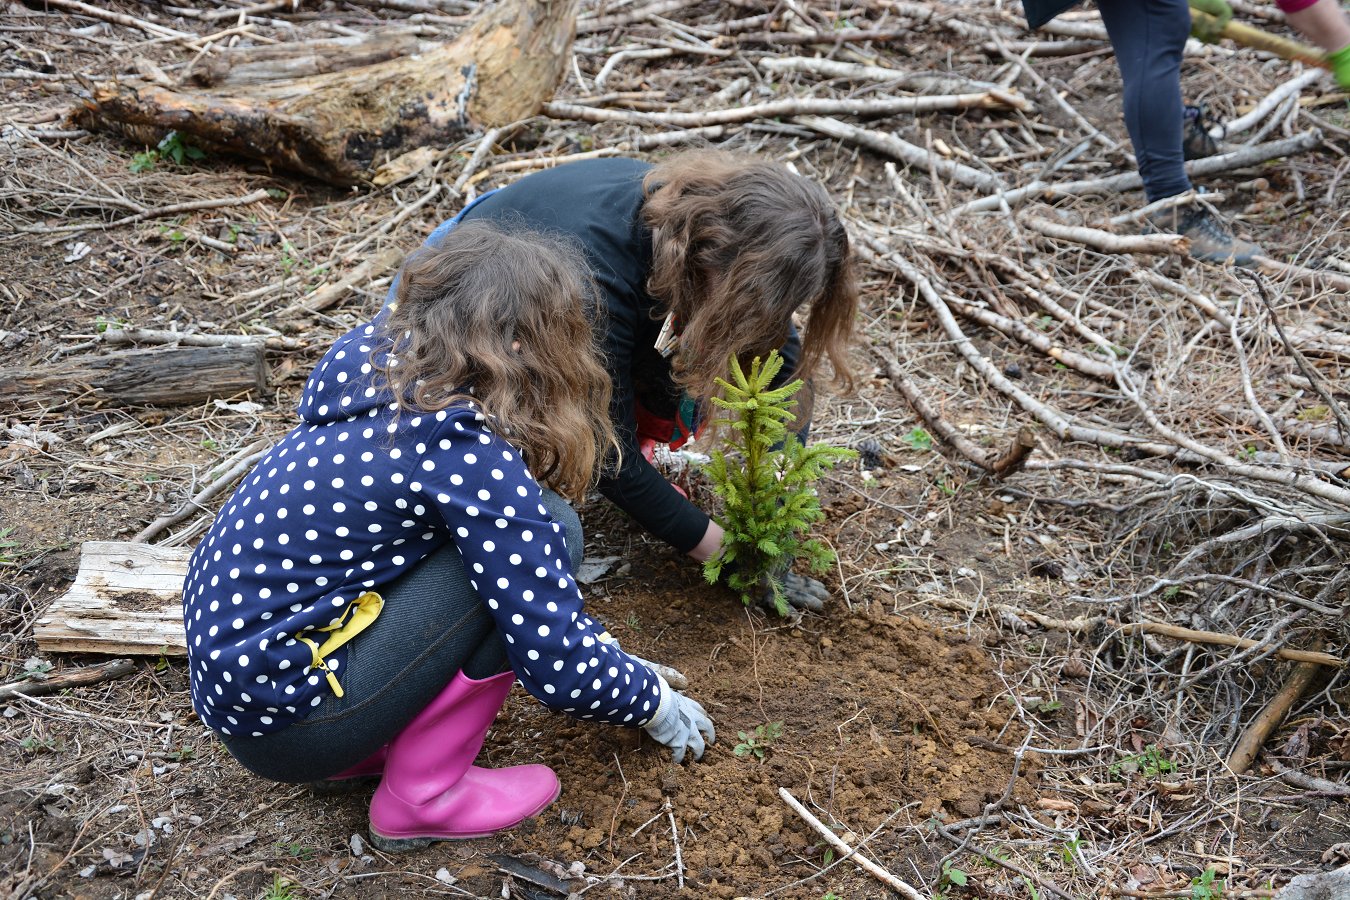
769, 499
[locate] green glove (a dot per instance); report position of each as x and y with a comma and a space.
1210, 30
1340, 66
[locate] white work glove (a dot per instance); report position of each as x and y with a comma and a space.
680, 724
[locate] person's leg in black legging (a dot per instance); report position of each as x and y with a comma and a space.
1148, 37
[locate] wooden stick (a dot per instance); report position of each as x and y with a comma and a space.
1317, 277
117, 18
871, 868
1265, 107
126, 335
592, 24
1244, 156
904, 151
1308, 782
1249, 744
81, 677
1012, 462
1105, 241
1083, 624
330, 294
919, 403
242, 464
1093, 368
919, 81
775, 109
1310, 657
172, 210
1250, 36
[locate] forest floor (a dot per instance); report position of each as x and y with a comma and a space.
973, 711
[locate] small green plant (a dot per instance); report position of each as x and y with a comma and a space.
918, 439
951, 877
37, 745
1151, 763
1206, 886
633, 622
1247, 453
830, 895
6, 545
1049, 707
297, 850
757, 743
171, 147
768, 496
280, 889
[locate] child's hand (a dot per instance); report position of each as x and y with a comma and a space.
680, 723
1340, 66
1206, 30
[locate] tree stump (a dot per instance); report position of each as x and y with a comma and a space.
339, 126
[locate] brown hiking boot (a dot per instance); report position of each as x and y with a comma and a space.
1195, 140
1211, 238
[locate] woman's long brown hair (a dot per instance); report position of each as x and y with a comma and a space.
738, 245
506, 314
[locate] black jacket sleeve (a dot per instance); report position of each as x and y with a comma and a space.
637, 487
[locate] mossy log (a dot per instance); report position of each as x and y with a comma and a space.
340, 126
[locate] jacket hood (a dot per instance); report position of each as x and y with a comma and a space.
345, 384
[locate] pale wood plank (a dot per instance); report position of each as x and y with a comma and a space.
126, 600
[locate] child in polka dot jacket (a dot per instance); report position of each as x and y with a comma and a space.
365, 600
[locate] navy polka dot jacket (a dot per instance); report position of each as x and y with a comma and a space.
350, 499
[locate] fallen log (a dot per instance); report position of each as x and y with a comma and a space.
340, 126
178, 376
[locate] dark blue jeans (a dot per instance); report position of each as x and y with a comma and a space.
433, 625
1148, 37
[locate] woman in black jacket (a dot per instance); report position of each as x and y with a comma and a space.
701, 256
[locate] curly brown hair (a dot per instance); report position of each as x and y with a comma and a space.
507, 316
740, 243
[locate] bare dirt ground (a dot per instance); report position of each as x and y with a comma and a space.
971, 711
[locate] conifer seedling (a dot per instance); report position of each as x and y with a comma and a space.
766, 480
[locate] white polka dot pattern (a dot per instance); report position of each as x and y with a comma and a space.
346, 503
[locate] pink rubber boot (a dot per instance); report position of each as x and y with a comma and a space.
432, 791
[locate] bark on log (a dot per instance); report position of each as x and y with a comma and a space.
179, 376
340, 126
300, 59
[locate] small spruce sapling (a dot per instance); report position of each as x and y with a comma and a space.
767, 490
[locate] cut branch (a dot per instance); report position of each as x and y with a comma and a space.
1266, 721
1246, 156
776, 109
902, 150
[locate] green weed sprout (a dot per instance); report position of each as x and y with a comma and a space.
768, 496
757, 743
